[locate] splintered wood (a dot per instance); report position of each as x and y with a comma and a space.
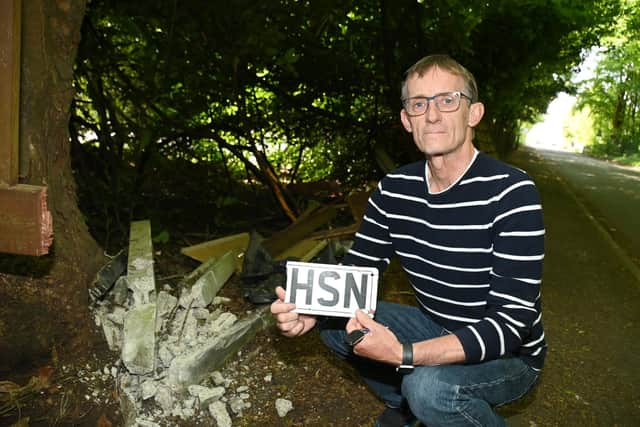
26, 227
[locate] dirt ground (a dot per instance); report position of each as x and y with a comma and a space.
75, 388
592, 322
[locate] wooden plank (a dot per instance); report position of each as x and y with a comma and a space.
26, 226
346, 231
9, 90
305, 225
305, 250
358, 204
202, 252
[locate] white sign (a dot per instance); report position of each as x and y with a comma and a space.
331, 290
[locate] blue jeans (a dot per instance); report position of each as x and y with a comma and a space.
444, 395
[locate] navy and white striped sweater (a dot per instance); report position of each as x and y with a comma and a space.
473, 253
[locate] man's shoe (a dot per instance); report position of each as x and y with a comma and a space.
396, 417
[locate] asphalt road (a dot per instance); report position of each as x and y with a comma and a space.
590, 294
610, 193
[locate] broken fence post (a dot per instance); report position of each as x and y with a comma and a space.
138, 349
191, 367
140, 270
139, 339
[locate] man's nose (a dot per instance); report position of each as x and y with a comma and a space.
432, 114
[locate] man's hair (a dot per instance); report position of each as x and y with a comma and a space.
446, 63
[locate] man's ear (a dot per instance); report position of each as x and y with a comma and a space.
476, 111
405, 120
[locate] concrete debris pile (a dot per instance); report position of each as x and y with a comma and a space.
174, 342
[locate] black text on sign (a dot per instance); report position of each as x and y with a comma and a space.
331, 290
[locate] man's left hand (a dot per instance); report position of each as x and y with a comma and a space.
379, 343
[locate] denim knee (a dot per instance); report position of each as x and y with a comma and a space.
437, 399
334, 339
429, 398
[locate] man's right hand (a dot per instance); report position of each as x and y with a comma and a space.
290, 324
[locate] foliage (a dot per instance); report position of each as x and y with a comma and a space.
283, 91
613, 94
578, 129
631, 160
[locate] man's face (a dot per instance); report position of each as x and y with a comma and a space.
436, 133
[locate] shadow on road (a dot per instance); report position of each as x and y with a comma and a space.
591, 313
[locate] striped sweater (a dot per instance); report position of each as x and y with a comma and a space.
473, 253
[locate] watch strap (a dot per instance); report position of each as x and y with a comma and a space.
407, 354
407, 359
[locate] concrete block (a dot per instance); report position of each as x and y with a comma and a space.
206, 395
140, 275
112, 333
204, 290
283, 407
209, 284
138, 349
194, 365
218, 411
165, 303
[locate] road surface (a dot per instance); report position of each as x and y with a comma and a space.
591, 297
611, 193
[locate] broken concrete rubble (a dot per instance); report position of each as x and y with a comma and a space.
170, 345
191, 367
219, 413
138, 349
209, 284
206, 395
139, 344
141, 279
175, 342
283, 406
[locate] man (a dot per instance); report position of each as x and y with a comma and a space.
468, 232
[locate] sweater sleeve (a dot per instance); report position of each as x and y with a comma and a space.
513, 301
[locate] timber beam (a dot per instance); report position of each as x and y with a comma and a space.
9, 90
25, 223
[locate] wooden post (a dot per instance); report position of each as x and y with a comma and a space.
25, 222
9, 89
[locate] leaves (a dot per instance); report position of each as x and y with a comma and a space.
613, 94
310, 87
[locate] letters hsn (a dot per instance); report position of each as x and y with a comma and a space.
331, 290
329, 281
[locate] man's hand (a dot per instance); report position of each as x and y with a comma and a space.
290, 324
379, 343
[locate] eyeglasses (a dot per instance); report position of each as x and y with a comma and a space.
446, 102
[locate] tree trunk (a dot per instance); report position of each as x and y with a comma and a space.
49, 308
617, 122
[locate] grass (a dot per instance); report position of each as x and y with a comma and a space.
632, 160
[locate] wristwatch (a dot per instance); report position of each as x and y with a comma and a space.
407, 359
